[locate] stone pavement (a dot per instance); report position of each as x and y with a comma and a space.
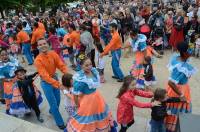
110, 89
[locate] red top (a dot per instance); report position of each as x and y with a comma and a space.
125, 112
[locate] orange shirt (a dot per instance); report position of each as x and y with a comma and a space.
41, 26
22, 37
37, 34
115, 43
46, 65
67, 41
75, 38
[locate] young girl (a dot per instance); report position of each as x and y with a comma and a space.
100, 63
149, 78
127, 93
69, 100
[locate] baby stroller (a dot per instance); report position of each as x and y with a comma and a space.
157, 39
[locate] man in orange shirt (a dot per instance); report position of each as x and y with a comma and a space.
72, 40
36, 35
24, 39
40, 25
115, 46
46, 64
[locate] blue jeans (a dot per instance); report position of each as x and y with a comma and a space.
53, 97
26, 49
157, 126
115, 64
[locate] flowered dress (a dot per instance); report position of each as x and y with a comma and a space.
7, 72
93, 113
139, 46
180, 74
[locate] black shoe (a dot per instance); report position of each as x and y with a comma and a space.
114, 77
62, 127
120, 80
28, 114
3, 101
30, 64
7, 112
40, 119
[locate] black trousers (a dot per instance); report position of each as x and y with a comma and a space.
91, 55
124, 128
31, 102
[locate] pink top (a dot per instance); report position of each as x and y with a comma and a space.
125, 112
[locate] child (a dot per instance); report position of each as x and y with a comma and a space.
28, 91
69, 101
197, 46
54, 41
127, 100
149, 78
100, 63
160, 112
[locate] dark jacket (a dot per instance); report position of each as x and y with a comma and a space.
26, 86
158, 113
148, 72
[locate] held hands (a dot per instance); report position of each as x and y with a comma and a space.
101, 55
62, 87
156, 103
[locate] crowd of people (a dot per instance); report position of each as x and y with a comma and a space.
146, 29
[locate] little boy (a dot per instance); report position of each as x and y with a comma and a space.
158, 113
25, 84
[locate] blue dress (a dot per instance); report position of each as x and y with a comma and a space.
180, 72
93, 113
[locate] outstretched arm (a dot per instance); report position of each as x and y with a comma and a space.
144, 93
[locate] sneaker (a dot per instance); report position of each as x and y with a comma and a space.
3, 101
114, 77
120, 80
62, 127
7, 112
40, 119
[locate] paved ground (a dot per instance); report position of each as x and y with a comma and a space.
110, 89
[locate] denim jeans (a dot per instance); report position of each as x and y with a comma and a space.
157, 126
26, 49
53, 97
115, 64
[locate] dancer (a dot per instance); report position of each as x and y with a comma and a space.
115, 46
89, 102
181, 70
127, 100
46, 64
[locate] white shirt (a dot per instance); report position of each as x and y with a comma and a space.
100, 62
67, 100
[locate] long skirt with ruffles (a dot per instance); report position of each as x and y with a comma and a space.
176, 108
7, 86
17, 104
91, 116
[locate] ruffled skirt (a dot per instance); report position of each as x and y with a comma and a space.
91, 116
176, 108
18, 106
